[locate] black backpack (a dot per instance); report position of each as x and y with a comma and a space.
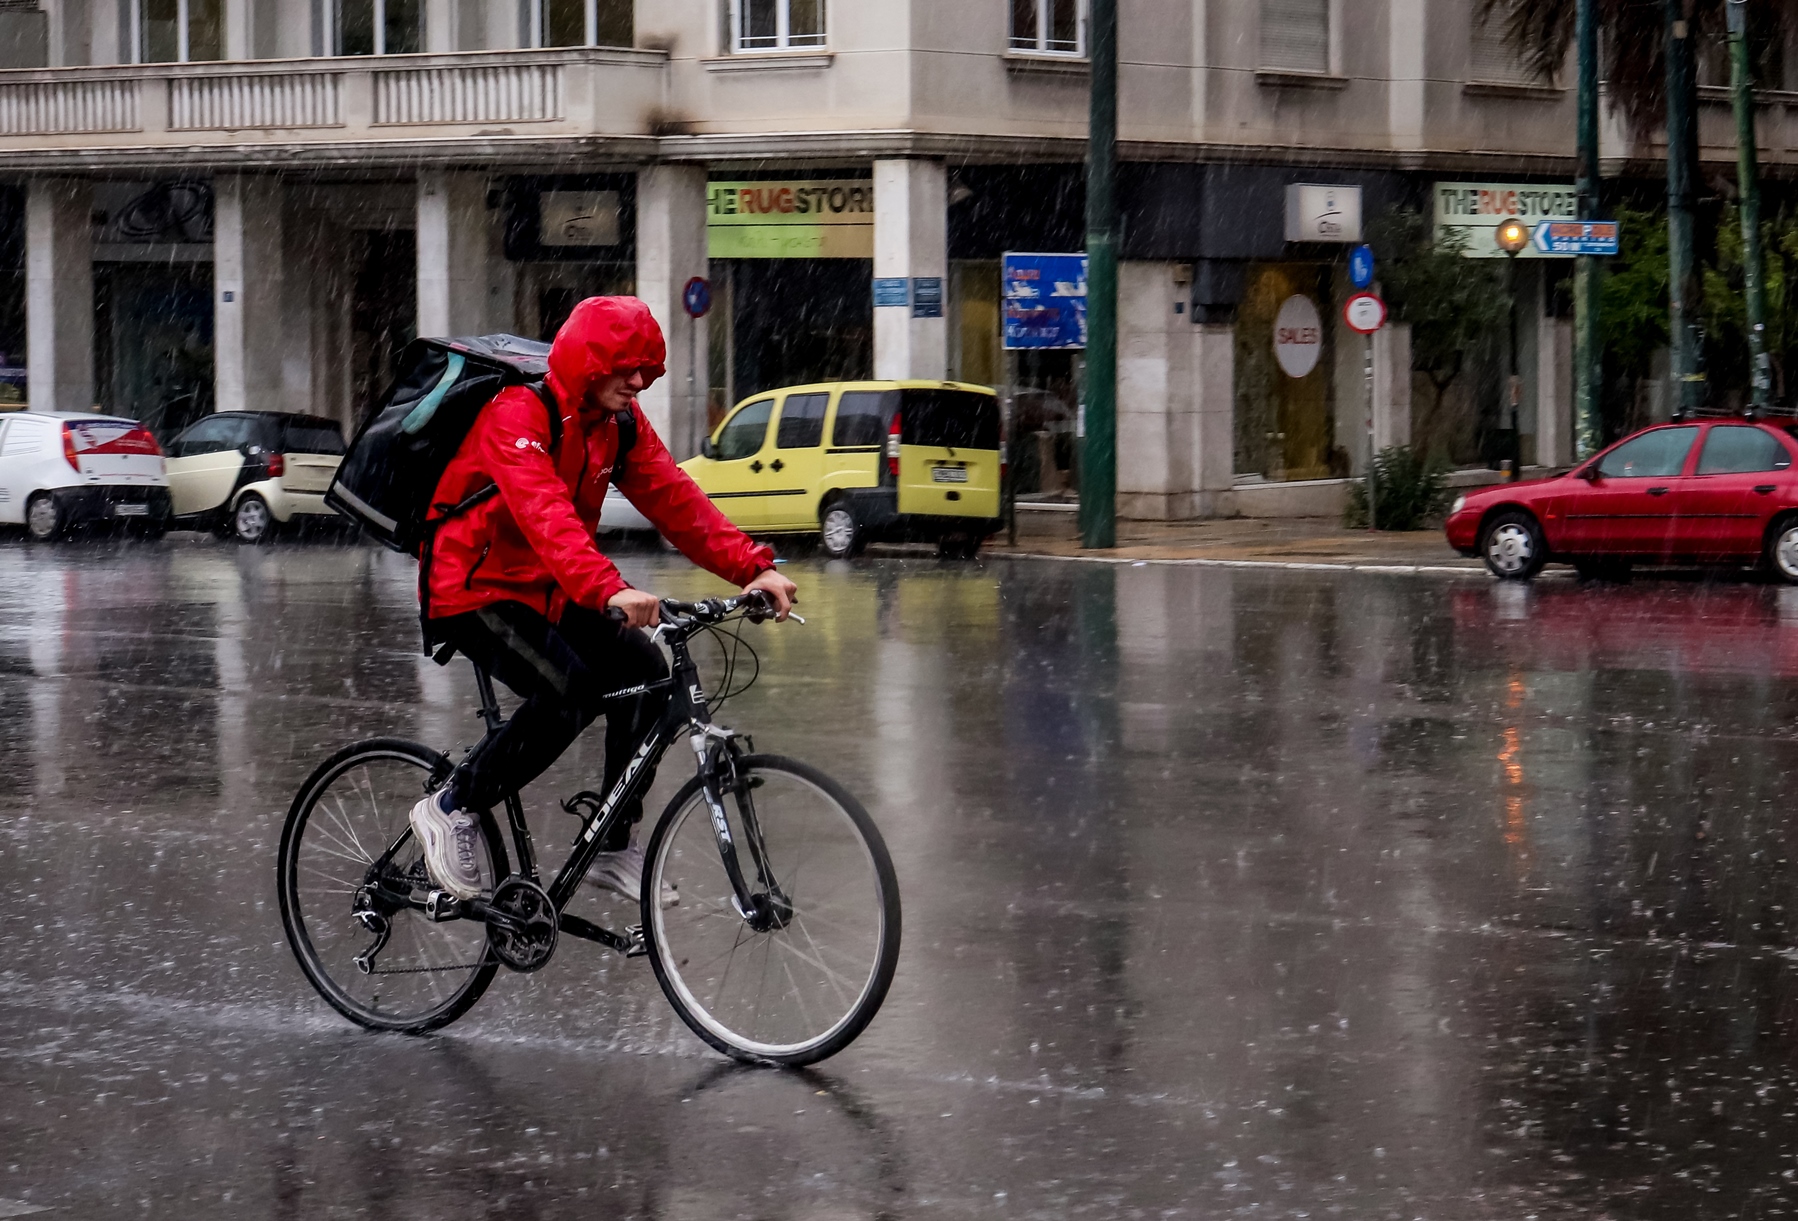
387, 478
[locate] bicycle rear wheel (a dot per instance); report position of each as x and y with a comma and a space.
799, 991
335, 902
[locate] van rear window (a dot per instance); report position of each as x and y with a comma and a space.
953, 419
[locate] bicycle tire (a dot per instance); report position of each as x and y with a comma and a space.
432, 766
671, 969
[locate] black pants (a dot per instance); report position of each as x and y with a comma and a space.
561, 670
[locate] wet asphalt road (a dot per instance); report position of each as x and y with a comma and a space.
1227, 893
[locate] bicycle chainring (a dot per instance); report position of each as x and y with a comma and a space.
523, 925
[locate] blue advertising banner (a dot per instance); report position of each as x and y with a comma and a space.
1044, 300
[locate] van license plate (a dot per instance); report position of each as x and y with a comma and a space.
949, 474
131, 510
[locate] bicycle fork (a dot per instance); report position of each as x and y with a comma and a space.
763, 909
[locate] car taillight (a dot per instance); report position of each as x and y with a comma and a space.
68, 447
277, 465
893, 447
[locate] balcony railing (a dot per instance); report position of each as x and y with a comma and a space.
573, 92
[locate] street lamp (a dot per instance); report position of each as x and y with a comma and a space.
1512, 236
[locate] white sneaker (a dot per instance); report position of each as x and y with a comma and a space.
622, 874
453, 845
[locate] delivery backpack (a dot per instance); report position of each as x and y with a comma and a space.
386, 480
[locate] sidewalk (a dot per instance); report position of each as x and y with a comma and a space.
1296, 542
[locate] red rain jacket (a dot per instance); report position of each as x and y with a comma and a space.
533, 543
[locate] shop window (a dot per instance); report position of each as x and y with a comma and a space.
776, 25
583, 23
1295, 35
1046, 27
178, 31
374, 27
1491, 57
801, 422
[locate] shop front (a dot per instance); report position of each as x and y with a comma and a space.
792, 266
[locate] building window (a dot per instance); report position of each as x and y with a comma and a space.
373, 27
582, 23
1295, 35
1491, 58
776, 25
178, 31
1046, 27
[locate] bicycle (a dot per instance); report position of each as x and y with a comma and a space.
766, 854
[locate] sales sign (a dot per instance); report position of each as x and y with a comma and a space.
1473, 211
790, 219
1577, 237
1044, 300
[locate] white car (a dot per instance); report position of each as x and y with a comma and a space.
244, 473
64, 469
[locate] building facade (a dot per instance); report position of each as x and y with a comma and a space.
216, 204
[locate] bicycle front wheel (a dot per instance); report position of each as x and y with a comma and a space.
802, 988
352, 880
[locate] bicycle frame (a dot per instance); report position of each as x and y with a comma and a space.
715, 750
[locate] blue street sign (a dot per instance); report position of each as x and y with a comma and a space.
1044, 300
1577, 237
927, 297
1361, 266
891, 290
697, 297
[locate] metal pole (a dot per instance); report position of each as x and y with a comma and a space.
1683, 286
1588, 358
1373, 520
1748, 181
1098, 459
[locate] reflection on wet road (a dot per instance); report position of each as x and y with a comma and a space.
1227, 892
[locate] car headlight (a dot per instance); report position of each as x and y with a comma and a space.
1460, 503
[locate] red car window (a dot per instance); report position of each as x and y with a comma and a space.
1660, 454
1733, 449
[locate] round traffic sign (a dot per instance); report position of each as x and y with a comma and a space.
1364, 312
697, 297
1298, 336
1361, 266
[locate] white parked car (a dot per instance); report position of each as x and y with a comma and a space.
65, 469
244, 473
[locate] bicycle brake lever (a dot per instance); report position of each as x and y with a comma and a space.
796, 618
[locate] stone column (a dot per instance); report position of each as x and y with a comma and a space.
671, 249
1554, 391
911, 242
1392, 385
249, 291
441, 33
455, 281
1214, 419
1155, 401
59, 294
240, 29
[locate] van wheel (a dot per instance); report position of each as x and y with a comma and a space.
958, 546
251, 522
840, 533
43, 520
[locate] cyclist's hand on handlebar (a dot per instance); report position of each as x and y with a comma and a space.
639, 609
781, 592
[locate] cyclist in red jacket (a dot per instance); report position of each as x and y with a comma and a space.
518, 585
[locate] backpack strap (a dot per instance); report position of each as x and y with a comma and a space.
627, 435
547, 397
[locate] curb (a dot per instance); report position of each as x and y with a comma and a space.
1434, 570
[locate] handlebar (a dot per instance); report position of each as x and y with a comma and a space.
757, 605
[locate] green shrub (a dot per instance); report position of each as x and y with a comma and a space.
1409, 489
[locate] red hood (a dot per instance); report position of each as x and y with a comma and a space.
604, 335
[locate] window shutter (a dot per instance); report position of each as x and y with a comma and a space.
1492, 59
1295, 35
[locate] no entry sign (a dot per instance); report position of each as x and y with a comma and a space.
1364, 312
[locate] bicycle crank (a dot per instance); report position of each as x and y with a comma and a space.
521, 924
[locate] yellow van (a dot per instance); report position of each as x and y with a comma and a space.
859, 461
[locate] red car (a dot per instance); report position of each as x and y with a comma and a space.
1694, 492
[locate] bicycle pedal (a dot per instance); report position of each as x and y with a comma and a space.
633, 933
441, 905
